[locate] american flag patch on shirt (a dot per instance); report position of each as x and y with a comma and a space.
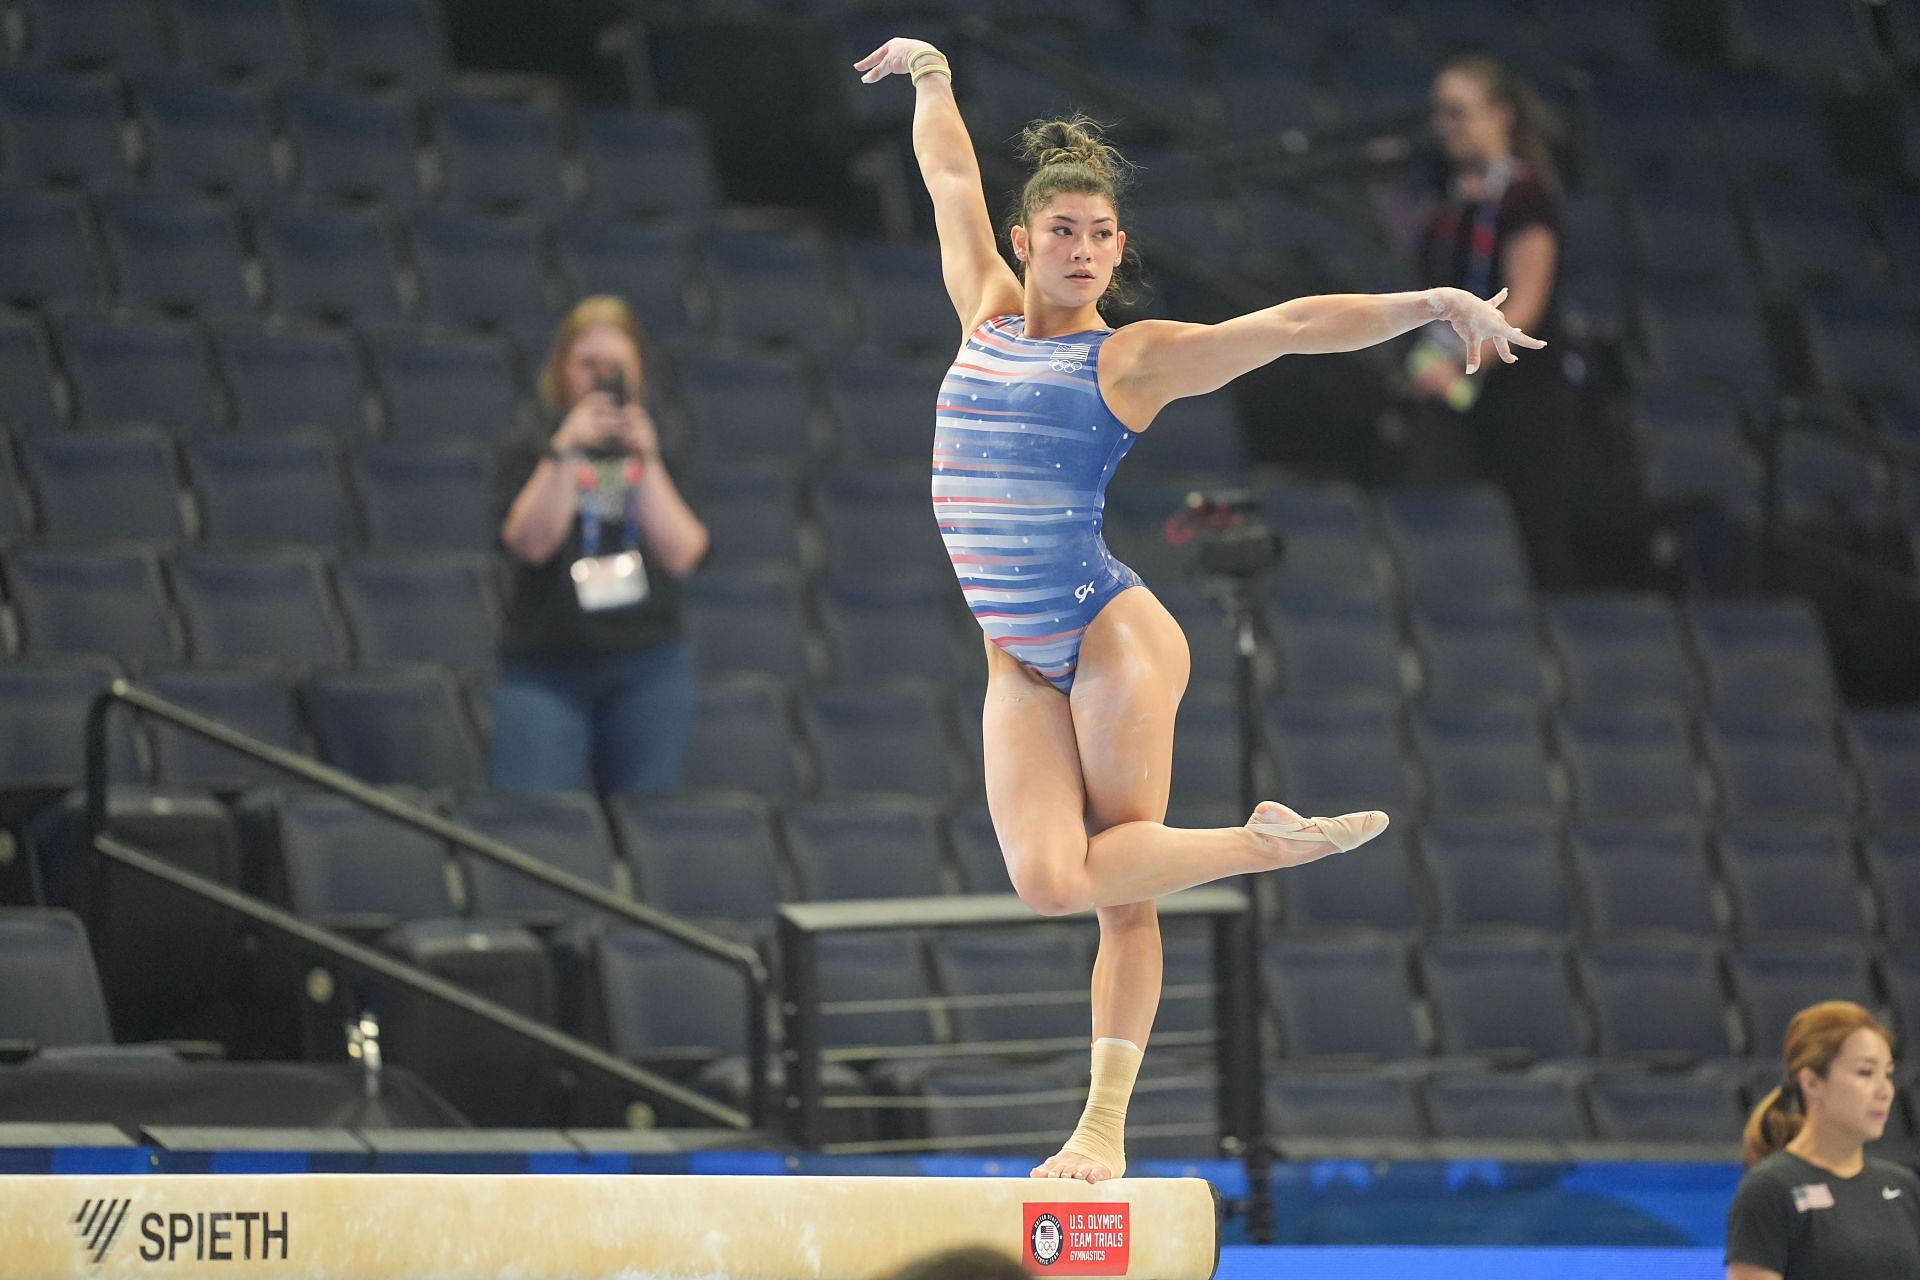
1814, 1195
1069, 357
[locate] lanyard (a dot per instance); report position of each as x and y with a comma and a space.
588, 481
1486, 216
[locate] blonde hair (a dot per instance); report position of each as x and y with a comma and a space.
1812, 1042
599, 309
1071, 155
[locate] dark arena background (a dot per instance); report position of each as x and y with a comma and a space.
277, 282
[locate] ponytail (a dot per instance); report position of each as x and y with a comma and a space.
1772, 1125
1812, 1042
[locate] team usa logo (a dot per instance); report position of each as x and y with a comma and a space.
1046, 1239
1070, 357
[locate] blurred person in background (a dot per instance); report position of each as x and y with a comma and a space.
1813, 1205
972, 1263
596, 682
1495, 224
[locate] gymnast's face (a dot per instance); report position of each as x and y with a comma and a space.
599, 351
1857, 1092
1071, 245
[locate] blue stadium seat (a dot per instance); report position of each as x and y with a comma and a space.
1771, 133
395, 725
443, 388
1632, 1106
1199, 434
352, 147
753, 512
436, 498
258, 701
898, 300
883, 408
43, 717
151, 371
891, 627
770, 288
1341, 995
877, 847
15, 516
501, 156
207, 138
1694, 454
381, 42
329, 264
438, 607
1893, 862
1498, 874
287, 491
45, 255
1187, 1002
258, 39
1327, 541
564, 830
1775, 980
1901, 968
881, 736
1776, 763
26, 376
1474, 651
647, 266
1655, 996
743, 737
1787, 878
257, 606
866, 967
1207, 748
642, 166
176, 252
658, 995
999, 1108
702, 855
1348, 1106
1535, 1012
1504, 1106
483, 273
350, 868
106, 602
1483, 761
1334, 648
1617, 861
53, 998
1884, 744
1710, 341
99, 486
976, 848
1024, 963
292, 376
878, 524
1452, 543
1813, 243
1379, 891
1620, 648
749, 622
1634, 763
118, 35
1690, 241
62, 129
747, 407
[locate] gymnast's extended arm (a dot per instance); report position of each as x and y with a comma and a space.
1159, 361
978, 279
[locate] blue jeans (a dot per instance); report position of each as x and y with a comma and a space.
615, 723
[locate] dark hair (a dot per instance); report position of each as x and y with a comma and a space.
1536, 128
972, 1263
1072, 155
1812, 1042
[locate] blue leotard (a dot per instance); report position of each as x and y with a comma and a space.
1023, 447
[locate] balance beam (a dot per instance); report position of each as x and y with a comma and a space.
374, 1226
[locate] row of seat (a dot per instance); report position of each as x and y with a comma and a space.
358, 42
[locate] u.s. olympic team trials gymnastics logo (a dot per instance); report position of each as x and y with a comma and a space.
1046, 1238
1070, 357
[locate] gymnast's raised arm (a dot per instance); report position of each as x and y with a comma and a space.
1155, 362
977, 277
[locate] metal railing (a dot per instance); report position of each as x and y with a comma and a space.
651, 1086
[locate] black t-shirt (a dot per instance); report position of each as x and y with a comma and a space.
544, 621
1800, 1220
1447, 250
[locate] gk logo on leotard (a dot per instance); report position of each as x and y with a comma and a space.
1070, 357
1080, 594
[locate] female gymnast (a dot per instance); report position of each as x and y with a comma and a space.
1085, 668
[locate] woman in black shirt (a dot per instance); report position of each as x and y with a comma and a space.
1814, 1205
596, 684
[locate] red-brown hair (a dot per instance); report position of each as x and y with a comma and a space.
1813, 1041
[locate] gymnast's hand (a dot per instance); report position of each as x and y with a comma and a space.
1479, 322
890, 59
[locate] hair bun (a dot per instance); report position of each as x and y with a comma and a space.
1072, 140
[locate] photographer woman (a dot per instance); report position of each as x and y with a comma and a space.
596, 684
